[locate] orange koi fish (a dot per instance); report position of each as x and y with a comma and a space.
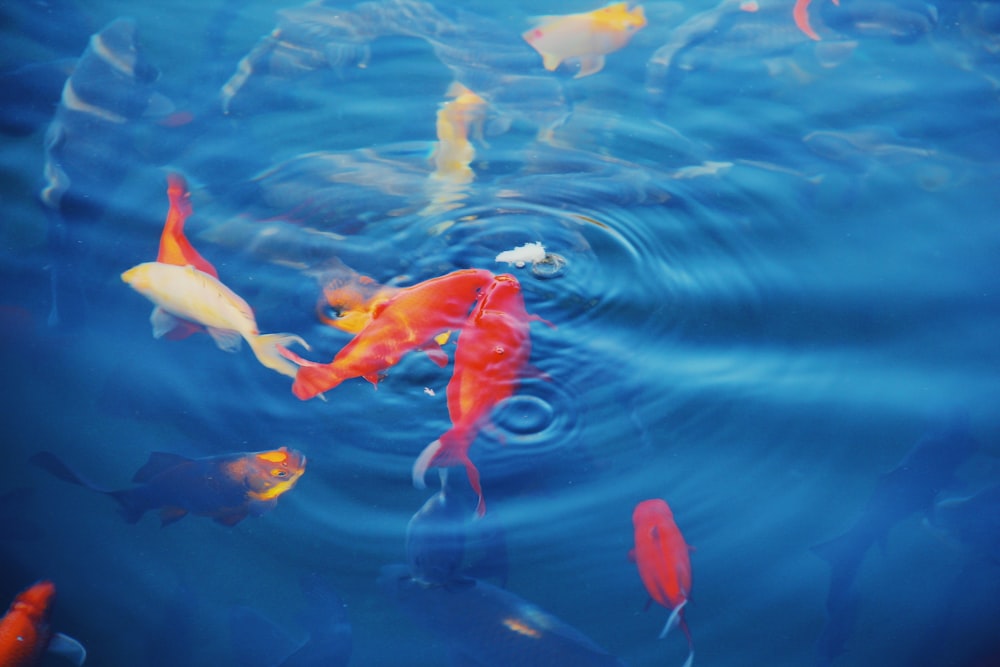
226, 488
454, 152
661, 554
493, 347
25, 633
349, 298
800, 13
411, 319
586, 37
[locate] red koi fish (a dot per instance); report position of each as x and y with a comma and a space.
410, 319
661, 554
25, 633
800, 13
493, 348
226, 488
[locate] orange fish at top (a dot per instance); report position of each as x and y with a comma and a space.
664, 563
586, 37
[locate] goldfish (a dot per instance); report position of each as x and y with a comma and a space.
454, 152
226, 488
413, 318
493, 348
585, 37
661, 554
25, 633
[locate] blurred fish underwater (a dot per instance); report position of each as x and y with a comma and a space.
711, 284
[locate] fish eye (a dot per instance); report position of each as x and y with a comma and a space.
278, 472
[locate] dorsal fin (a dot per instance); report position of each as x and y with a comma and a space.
158, 462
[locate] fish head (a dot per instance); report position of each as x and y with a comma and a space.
618, 18
36, 600
504, 294
650, 512
140, 277
274, 472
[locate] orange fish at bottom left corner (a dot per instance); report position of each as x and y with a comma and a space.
26, 634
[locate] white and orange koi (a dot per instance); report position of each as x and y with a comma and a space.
183, 293
586, 37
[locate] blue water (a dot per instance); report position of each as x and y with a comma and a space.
781, 274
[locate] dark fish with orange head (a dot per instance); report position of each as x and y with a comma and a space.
226, 488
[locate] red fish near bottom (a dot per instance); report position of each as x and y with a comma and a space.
25, 634
661, 554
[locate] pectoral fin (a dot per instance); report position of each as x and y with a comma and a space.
590, 65
67, 647
226, 339
551, 62
163, 322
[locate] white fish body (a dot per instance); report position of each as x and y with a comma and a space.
184, 292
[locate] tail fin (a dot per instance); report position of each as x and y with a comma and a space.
311, 378
265, 348
132, 505
57, 467
439, 454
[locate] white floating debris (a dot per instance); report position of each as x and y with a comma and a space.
523, 254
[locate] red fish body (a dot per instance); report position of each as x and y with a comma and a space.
661, 554
493, 348
225, 488
409, 320
25, 632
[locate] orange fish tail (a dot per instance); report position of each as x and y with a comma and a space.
450, 449
311, 381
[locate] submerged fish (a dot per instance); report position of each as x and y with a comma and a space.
664, 564
87, 149
26, 634
445, 540
409, 320
226, 488
586, 38
486, 626
492, 351
910, 487
453, 153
